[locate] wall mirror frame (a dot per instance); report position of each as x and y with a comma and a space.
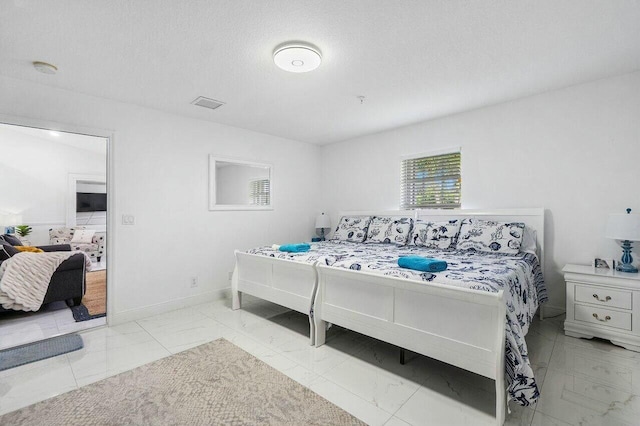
239, 184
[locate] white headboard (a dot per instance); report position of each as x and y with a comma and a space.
533, 218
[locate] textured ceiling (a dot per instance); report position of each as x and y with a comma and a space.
413, 60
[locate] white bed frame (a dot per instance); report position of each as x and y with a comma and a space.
462, 327
455, 325
290, 284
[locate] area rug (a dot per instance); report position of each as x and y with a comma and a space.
215, 383
32, 352
94, 301
95, 297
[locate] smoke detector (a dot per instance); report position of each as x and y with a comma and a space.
207, 102
45, 68
295, 56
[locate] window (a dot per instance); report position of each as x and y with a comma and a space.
431, 182
259, 190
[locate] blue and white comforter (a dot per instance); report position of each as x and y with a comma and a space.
520, 276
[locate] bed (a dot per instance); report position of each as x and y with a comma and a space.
458, 320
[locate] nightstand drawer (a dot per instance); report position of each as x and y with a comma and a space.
604, 317
603, 296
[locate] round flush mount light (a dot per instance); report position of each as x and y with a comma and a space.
45, 68
297, 57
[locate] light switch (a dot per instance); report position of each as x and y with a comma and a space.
128, 219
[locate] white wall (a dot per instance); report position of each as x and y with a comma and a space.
573, 151
161, 173
34, 175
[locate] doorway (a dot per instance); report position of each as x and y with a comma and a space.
53, 197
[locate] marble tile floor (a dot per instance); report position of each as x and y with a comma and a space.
582, 382
19, 328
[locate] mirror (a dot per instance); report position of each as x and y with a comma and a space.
239, 185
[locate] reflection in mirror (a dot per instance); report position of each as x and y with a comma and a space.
239, 185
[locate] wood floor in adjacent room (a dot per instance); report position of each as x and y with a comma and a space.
583, 382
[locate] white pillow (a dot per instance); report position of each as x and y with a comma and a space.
491, 237
83, 236
436, 235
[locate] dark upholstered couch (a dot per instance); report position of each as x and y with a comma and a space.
67, 283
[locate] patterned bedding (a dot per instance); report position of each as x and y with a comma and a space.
520, 276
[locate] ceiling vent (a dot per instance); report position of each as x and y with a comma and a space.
207, 103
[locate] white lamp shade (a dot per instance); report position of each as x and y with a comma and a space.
623, 227
323, 221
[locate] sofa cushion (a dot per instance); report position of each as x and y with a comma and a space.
13, 240
83, 236
6, 251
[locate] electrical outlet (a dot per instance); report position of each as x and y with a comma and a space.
230, 276
194, 282
128, 219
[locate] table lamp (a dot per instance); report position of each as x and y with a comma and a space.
625, 228
10, 221
322, 222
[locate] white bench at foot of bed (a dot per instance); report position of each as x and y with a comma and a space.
462, 327
287, 283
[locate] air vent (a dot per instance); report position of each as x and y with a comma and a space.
207, 103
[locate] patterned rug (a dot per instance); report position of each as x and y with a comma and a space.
32, 352
215, 383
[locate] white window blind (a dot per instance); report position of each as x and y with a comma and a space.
431, 182
260, 192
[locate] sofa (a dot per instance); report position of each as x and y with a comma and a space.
67, 283
95, 249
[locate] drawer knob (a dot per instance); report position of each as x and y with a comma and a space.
606, 299
607, 318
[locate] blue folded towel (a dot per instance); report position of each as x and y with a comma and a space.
420, 263
295, 248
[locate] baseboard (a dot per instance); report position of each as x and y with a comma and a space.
552, 311
172, 305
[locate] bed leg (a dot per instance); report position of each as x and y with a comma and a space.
402, 356
236, 296
321, 332
541, 312
501, 401
312, 332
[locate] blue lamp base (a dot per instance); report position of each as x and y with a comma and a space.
626, 260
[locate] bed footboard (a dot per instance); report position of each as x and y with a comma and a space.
462, 327
290, 284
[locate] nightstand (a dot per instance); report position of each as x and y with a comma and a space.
603, 303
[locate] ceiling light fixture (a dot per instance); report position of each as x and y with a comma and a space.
45, 68
295, 56
54, 133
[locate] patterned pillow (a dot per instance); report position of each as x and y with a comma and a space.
389, 229
352, 228
492, 237
435, 235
